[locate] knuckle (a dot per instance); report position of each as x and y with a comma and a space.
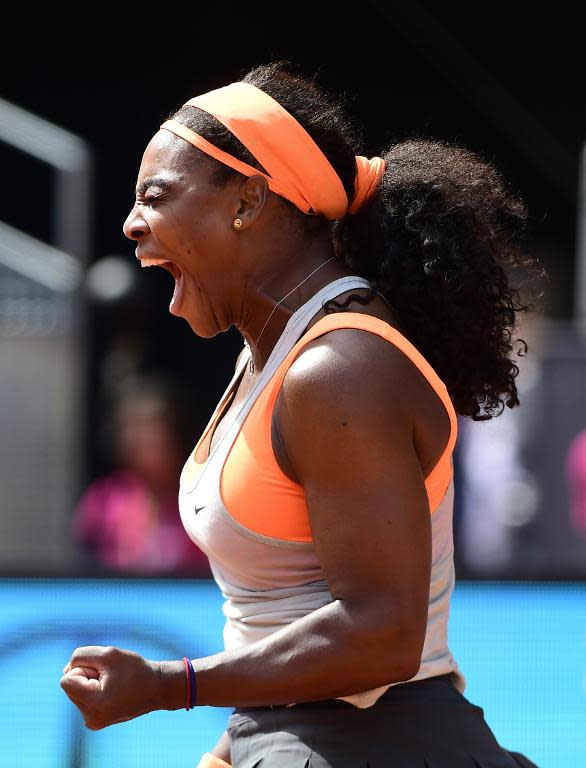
79, 654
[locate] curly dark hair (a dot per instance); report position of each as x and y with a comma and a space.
440, 240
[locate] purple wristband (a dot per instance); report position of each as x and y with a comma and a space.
191, 684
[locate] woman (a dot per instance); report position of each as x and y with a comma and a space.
374, 306
128, 519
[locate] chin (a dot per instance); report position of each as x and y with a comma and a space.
200, 329
204, 325
206, 333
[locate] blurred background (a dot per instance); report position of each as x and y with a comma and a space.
103, 393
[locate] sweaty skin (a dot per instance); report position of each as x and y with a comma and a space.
356, 424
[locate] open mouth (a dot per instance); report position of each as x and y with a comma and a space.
168, 265
171, 267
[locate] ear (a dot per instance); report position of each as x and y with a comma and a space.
252, 197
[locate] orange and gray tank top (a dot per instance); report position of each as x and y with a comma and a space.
251, 519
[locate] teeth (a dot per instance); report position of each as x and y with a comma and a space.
152, 262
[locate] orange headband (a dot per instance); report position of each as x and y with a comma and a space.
296, 167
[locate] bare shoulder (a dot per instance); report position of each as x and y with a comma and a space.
345, 419
360, 387
353, 365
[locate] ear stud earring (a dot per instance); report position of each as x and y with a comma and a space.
237, 223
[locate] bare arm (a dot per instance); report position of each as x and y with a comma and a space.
345, 416
349, 438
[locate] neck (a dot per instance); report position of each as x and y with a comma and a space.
274, 299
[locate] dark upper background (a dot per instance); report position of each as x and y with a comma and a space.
502, 79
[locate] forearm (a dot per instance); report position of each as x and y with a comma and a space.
328, 653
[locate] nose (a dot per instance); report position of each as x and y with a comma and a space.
135, 226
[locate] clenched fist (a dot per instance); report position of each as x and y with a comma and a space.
110, 685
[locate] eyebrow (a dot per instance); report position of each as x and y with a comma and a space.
154, 181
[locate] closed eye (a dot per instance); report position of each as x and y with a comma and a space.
149, 200
155, 182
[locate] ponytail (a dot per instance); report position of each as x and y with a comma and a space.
439, 241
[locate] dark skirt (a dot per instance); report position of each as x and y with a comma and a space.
424, 724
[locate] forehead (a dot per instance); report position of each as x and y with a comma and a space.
168, 157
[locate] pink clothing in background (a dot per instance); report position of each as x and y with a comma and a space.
576, 478
115, 519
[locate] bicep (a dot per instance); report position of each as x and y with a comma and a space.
353, 451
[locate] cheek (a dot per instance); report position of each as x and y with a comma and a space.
209, 229
205, 256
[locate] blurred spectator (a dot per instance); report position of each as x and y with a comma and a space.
128, 520
498, 495
575, 467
